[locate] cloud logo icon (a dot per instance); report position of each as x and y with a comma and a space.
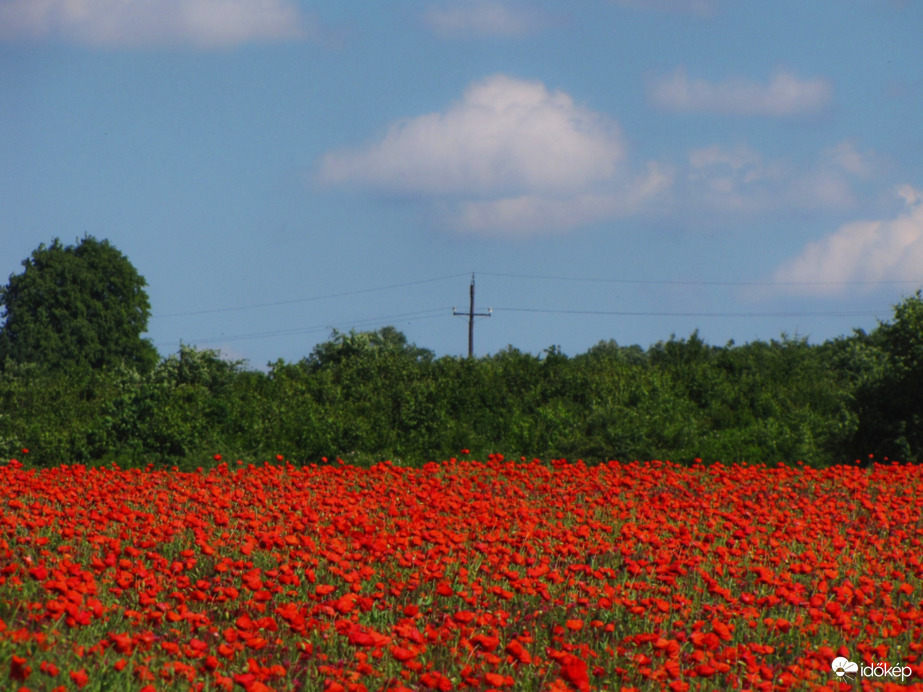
841, 666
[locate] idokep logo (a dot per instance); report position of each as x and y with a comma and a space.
843, 667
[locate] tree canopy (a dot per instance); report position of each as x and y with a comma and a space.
76, 306
890, 402
373, 395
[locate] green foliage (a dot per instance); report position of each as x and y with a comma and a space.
189, 405
76, 307
890, 394
53, 415
372, 395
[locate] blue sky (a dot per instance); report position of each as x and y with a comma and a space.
608, 169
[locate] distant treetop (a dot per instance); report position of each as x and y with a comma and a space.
76, 306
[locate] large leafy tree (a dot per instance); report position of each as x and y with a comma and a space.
76, 306
888, 394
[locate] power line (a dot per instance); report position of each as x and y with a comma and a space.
669, 282
627, 313
418, 315
584, 279
471, 314
440, 312
308, 300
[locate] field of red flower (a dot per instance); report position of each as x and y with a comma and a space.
505, 575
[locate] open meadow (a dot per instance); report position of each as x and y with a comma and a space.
497, 574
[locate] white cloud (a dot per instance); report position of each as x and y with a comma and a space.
531, 214
132, 23
461, 18
785, 95
886, 250
505, 135
846, 157
729, 179
722, 169
509, 156
739, 179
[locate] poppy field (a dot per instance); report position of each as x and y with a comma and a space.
482, 575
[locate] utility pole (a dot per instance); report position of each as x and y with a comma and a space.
471, 315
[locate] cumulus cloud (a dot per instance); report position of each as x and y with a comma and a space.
530, 214
884, 250
133, 23
723, 170
846, 157
510, 155
462, 19
785, 95
730, 178
505, 134
741, 179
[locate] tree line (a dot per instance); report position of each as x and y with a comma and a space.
79, 384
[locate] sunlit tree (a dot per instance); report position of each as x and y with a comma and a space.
76, 306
